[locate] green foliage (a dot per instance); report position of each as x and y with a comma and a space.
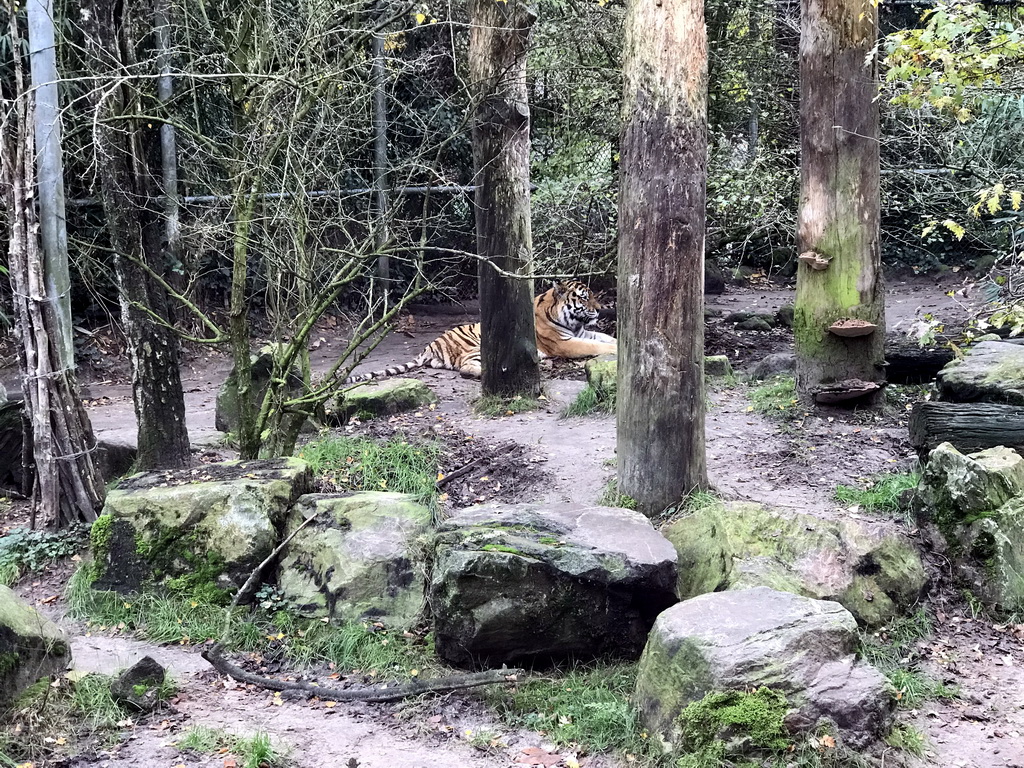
879, 495
591, 400
361, 464
892, 650
94, 702
586, 706
187, 619
962, 50
256, 751
611, 497
496, 405
908, 739
24, 550
776, 398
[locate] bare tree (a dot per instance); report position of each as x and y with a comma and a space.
498, 38
68, 486
661, 253
839, 282
135, 223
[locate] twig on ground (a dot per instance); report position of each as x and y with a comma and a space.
457, 473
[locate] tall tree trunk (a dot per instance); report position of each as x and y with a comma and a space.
129, 193
68, 486
839, 201
378, 72
661, 253
498, 38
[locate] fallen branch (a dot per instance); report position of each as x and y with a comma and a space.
455, 474
389, 693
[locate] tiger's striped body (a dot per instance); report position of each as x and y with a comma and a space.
562, 316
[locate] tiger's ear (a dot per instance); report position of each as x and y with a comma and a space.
558, 289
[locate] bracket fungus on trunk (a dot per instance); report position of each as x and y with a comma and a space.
843, 391
850, 327
814, 260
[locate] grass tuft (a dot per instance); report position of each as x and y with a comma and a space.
494, 406
256, 751
882, 494
610, 497
591, 400
776, 398
361, 464
908, 739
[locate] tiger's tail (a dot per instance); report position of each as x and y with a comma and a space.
393, 370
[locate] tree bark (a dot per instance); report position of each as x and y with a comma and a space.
968, 426
135, 225
839, 205
661, 454
498, 38
67, 486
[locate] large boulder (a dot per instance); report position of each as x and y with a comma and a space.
741, 640
382, 398
992, 371
214, 523
362, 557
874, 572
226, 409
31, 646
527, 583
976, 501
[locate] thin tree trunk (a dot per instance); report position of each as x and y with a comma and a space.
839, 205
133, 217
68, 486
380, 158
661, 253
168, 139
498, 38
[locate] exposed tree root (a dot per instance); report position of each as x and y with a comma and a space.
383, 693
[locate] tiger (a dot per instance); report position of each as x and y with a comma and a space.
564, 316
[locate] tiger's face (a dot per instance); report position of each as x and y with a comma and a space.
579, 305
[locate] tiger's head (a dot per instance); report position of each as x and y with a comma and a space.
575, 305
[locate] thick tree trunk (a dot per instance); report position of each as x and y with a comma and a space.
129, 193
839, 206
68, 486
968, 426
661, 254
498, 37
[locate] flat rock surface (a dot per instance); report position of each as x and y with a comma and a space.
991, 371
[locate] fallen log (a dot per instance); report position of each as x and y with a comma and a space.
387, 692
968, 426
907, 362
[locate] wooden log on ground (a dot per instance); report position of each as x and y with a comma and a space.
910, 363
968, 426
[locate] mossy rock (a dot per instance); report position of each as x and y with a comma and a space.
226, 409
210, 524
742, 640
362, 558
991, 371
382, 398
31, 646
717, 365
874, 572
540, 584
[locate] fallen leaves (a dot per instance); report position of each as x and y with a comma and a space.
538, 756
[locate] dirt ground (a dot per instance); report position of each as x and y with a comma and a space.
541, 456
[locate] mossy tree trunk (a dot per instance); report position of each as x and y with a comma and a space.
134, 221
661, 454
839, 205
498, 38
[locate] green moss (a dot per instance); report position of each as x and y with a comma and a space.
503, 548
756, 719
8, 662
100, 535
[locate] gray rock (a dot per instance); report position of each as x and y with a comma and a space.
31, 646
116, 454
757, 323
742, 640
738, 316
138, 687
226, 413
773, 365
784, 315
382, 398
714, 280
526, 583
874, 572
976, 502
215, 521
992, 371
363, 558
